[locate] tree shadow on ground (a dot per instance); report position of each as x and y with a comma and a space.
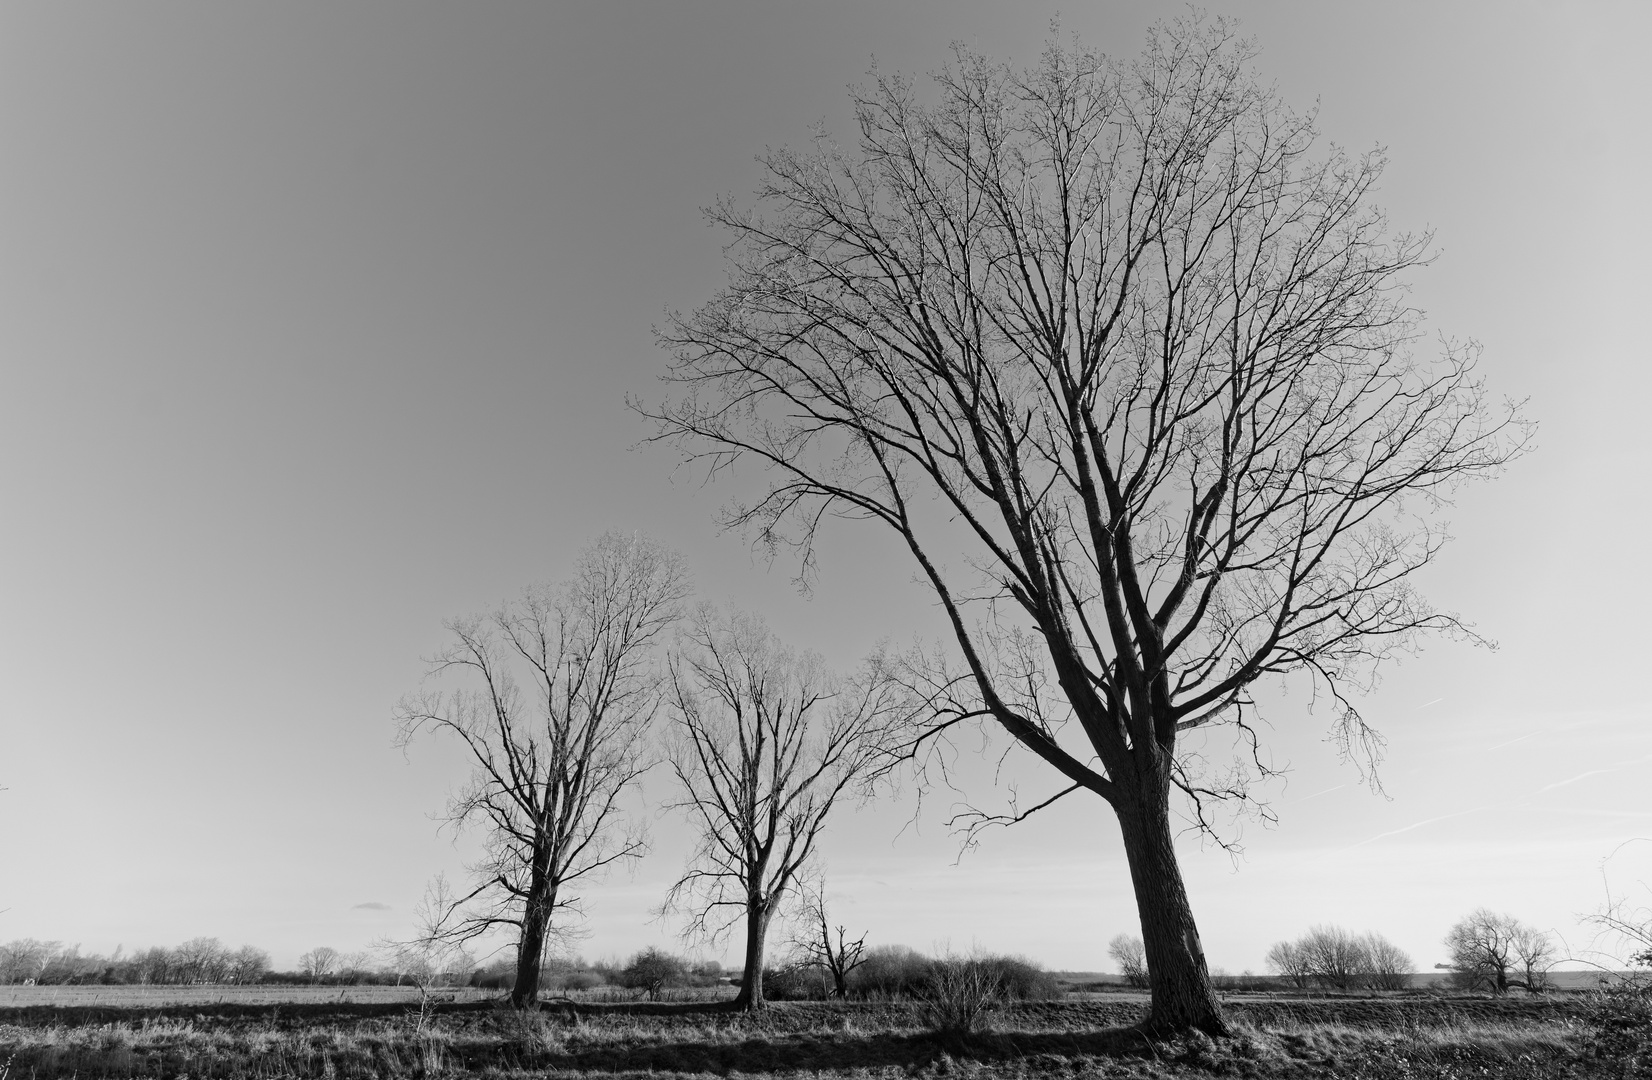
829, 1051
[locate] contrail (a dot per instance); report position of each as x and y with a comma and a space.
1417, 825
1575, 779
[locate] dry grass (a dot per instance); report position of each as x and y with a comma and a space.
19, 997
337, 1040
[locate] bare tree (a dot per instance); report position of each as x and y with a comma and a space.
1130, 954
1289, 959
319, 962
435, 955
765, 741
1495, 952
820, 944
563, 691
1335, 957
25, 959
1388, 967
1131, 376
357, 965
652, 971
247, 964
201, 960
1338, 958
153, 965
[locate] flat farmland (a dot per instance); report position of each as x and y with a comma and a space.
382, 1032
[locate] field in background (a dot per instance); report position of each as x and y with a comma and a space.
166, 996
234, 1033
256, 994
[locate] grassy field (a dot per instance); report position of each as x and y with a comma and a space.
308, 1034
150, 997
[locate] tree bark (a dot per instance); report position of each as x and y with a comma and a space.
1176, 971
530, 951
751, 982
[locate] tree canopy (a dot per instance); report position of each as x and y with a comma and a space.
1129, 370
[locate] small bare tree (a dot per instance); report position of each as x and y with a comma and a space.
1335, 956
1389, 967
1338, 958
247, 964
201, 960
1289, 959
436, 954
319, 962
24, 960
766, 740
563, 691
1130, 954
651, 971
820, 944
1496, 952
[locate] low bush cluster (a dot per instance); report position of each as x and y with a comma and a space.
1622, 1021
892, 972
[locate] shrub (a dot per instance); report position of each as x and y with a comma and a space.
1622, 1018
797, 982
651, 971
1131, 956
960, 992
1019, 979
890, 971
564, 978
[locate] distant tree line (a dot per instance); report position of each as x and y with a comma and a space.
883, 972
198, 960
207, 960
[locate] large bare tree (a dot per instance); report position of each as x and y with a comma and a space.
765, 741
1494, 952
562, 687
1130, 372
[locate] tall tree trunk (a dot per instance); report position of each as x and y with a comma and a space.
1182, 995
751, 982
530, 951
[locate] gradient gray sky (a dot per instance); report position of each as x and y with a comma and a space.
316, 323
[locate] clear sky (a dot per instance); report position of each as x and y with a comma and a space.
316, 325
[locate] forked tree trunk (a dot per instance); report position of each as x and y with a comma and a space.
530, 952
751, 981
1176, 971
